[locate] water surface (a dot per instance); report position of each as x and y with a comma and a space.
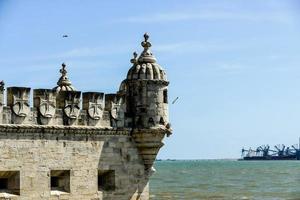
226, 180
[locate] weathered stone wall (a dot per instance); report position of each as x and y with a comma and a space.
82, 142
34, 151
149, 105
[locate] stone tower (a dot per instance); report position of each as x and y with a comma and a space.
84, 146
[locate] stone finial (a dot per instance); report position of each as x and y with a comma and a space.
146, 43
2, 84
63, 70
146, 56
134, 59
64, 80
64, 84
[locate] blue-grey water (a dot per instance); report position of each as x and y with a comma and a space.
226, 180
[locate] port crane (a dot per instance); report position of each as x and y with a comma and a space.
264, 152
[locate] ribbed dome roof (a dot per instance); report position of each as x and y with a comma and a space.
64, 88
64, 84
151, 71
145, 67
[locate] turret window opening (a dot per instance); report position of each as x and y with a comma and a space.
140, 96
139, 122
162, 121
165, 96
151, 121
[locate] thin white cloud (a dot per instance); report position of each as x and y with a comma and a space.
84, 53
171, 46
197, 47
276, 17
79, 52
230, 67
95, 51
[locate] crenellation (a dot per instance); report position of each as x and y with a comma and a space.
93, 105
109, 100
44, 101
18, 101
69, 101
50, 108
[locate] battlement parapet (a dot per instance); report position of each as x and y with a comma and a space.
60, 108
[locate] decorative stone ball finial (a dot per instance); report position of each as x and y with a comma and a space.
134, 59
64, 84
146, 56
146, 36
63, 70
146, 44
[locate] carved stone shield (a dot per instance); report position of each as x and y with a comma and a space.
95, 110
116, 110
72, 107
21, 105
47, 105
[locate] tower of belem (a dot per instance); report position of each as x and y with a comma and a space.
62, 143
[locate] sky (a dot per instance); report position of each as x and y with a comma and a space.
234, 64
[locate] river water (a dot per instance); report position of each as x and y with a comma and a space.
226, 180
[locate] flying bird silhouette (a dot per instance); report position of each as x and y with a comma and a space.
174, 101
65, 36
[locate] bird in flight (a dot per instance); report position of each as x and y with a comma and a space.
65, 36
174, 101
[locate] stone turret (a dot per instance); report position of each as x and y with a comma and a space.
147, 92
147, 103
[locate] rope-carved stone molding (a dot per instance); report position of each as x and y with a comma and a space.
24, 128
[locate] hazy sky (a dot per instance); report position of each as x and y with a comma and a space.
234, 64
